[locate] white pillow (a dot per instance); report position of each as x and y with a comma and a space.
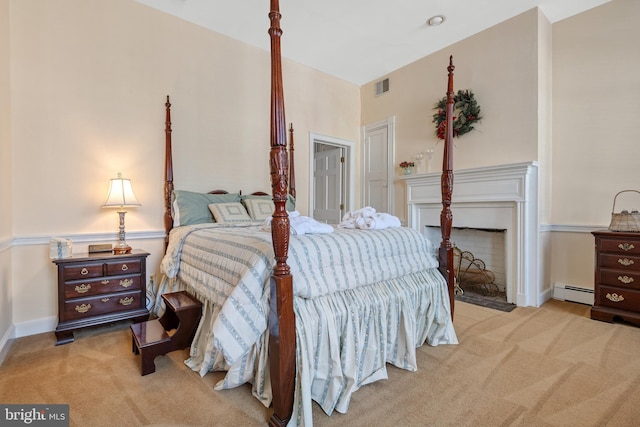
259, 209
229, 213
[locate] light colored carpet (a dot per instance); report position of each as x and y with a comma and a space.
548, 366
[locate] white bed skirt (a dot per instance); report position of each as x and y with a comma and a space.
344, 340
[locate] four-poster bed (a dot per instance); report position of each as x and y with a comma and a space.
307, 329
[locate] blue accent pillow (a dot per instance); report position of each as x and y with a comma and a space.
193, 208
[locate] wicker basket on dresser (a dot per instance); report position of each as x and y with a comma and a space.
617, 277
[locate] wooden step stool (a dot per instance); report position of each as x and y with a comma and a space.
151, 339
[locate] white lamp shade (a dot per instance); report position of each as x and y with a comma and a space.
120, 194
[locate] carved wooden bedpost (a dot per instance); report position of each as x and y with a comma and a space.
292, 172
445, 254
282, 337
168, 174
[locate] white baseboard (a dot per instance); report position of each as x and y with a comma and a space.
5, 343
36, 326
564, 292
24, 329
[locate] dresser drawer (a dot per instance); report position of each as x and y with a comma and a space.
620, 278
82, 271
622, 245
622, 299
620, 261
110, 303
617, 277
123, 267
104, 285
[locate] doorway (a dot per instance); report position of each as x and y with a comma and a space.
377, 167
332, 178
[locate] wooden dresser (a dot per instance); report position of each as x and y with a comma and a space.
95, 289
617, 277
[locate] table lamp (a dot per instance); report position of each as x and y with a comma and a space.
121, 196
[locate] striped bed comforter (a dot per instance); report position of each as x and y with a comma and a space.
363, 298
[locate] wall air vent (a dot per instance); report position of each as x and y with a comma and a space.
382, 87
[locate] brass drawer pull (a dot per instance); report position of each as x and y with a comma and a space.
84, 271
105, 300
126, 301
125, 283
626, 262
124, 267
625, 279
83, 308
81, 289
615, 297
626, 246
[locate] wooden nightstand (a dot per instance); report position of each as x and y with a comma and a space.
95, 289
617, 277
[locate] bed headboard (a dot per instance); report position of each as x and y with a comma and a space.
168, 172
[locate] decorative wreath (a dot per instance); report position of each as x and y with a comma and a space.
466, 112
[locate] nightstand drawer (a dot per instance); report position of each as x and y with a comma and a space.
96, 289
83, 271
110, 303
620, 261
620, 278
123, 267
622, 299
104, 285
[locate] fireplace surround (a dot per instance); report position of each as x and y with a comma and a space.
492, 197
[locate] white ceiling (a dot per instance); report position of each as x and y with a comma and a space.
360, 40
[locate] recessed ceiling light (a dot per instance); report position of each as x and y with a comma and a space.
436, 20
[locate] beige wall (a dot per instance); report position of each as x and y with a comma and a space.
545, 101
500, 65
89, 95
6, 297
564, 95
595, 111
88, 82
595, 127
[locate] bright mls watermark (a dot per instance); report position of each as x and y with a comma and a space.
36, 415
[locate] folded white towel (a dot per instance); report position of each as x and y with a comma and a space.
364, 212
300, 225
305, 225
368, 219
292, 214
377, 221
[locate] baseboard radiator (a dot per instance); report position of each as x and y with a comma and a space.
565, 292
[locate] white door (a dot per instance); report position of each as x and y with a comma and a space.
377, 172
331, 187
329, 183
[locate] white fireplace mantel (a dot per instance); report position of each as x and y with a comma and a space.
497, 197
